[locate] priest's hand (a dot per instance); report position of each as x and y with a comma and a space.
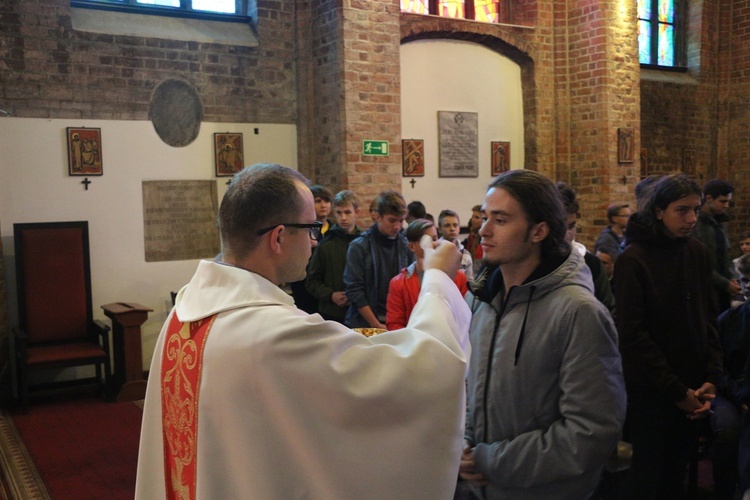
443, 257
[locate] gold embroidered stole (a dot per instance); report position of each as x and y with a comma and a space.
181, 365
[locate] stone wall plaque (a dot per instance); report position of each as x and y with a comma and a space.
458, 137
176, 112
179, 220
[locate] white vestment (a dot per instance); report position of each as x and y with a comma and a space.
292, 406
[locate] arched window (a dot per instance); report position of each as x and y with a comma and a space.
660, 33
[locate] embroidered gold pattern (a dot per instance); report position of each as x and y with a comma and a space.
180, 380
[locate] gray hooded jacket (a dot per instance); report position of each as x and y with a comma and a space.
546, 397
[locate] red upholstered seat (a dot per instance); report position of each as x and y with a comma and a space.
56, 326
62, 353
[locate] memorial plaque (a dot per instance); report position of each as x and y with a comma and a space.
179, 220
458, 136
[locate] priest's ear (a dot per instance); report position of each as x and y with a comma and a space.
275, 238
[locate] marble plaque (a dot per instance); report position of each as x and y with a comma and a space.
458, 137
179, 220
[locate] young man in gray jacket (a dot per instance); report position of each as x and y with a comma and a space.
546, 398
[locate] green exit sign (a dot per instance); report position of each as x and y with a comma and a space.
375, 148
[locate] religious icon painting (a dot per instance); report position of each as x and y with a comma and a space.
413, 157
688, 162
229, 154
625, 145
500, 157
84, 151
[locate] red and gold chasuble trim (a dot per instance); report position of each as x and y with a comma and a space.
181, 364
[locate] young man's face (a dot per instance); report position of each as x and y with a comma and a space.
718, 205
390, 224
415, 246
607, 263
322, 208
745, 245
346, 217
622, 217
450, 227
680, 217
507, 236
476, 221
572, 227
374, 215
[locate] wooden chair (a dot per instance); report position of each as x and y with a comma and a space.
56, 327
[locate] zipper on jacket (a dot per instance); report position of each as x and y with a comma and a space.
490, 357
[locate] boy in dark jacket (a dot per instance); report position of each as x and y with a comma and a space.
325, 272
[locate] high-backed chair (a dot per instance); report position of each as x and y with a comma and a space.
56, 326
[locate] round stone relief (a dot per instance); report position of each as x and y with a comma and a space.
176, 112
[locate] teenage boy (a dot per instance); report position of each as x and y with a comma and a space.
372, 260
545, 394
450, 226
712, 231
403, 292
322, 198
325, 273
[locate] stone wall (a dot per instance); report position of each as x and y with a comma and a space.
707, 109
49, 70
332, 68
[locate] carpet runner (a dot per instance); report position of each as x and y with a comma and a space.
75, 449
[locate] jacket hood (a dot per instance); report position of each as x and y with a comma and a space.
548, 276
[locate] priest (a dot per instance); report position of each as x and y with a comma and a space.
250, 397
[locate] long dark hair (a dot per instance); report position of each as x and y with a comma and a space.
664, 191
541, 202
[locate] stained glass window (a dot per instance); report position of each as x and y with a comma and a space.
452, 8
415, 6
486, 11
657, 32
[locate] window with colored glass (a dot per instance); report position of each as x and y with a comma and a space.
659, 33
487, 11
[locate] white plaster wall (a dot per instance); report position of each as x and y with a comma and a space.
446, 75
35, 187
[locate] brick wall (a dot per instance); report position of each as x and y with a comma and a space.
372, 87
598, 58
332, 67
709, 111
321, 94
735, 112
49, 70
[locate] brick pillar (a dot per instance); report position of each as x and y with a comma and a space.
598, 85
353, 94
